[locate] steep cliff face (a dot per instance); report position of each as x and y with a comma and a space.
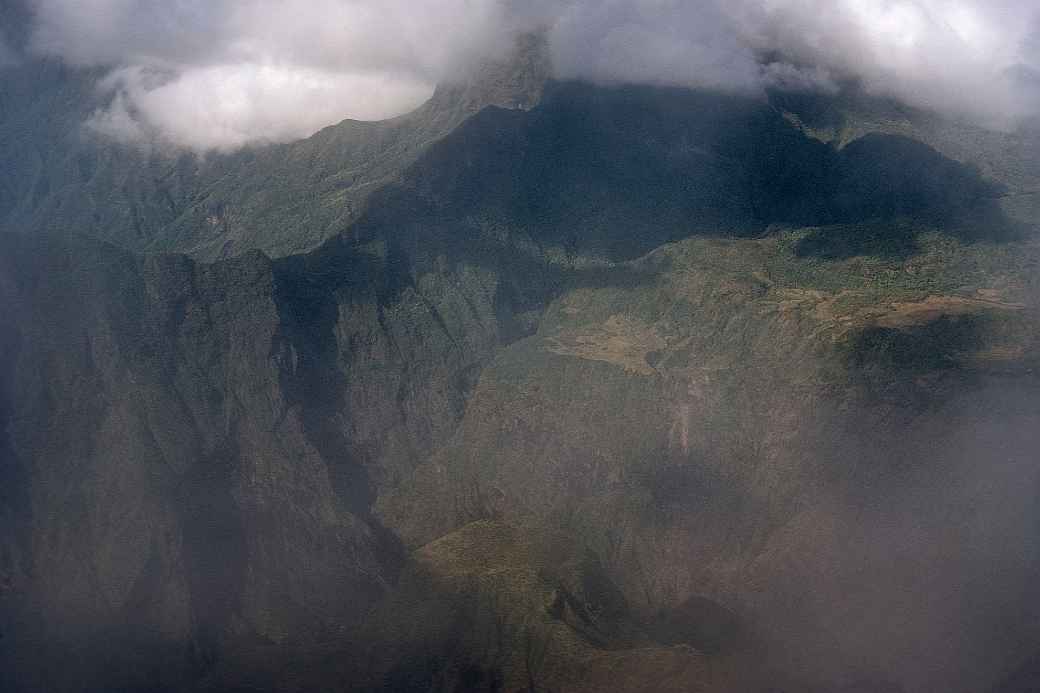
192, 450
170, 493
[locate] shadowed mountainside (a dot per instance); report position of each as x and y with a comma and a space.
706, 162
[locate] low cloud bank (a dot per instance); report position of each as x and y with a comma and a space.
226, 73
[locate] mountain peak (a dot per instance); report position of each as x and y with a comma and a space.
515, 81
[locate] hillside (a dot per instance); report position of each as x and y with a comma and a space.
545, 386
59, 175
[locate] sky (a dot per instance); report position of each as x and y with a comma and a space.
221, 74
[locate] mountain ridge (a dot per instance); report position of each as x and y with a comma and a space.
594, 386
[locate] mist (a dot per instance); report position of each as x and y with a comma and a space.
401, 405
221, 75
7, 54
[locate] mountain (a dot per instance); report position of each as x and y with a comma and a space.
544, 386
282, 199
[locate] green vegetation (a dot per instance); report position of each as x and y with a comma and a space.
577, 391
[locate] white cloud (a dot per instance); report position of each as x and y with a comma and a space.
224, 107
224, 73
958, 55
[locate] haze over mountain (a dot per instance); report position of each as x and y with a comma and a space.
222, 74
613, 365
